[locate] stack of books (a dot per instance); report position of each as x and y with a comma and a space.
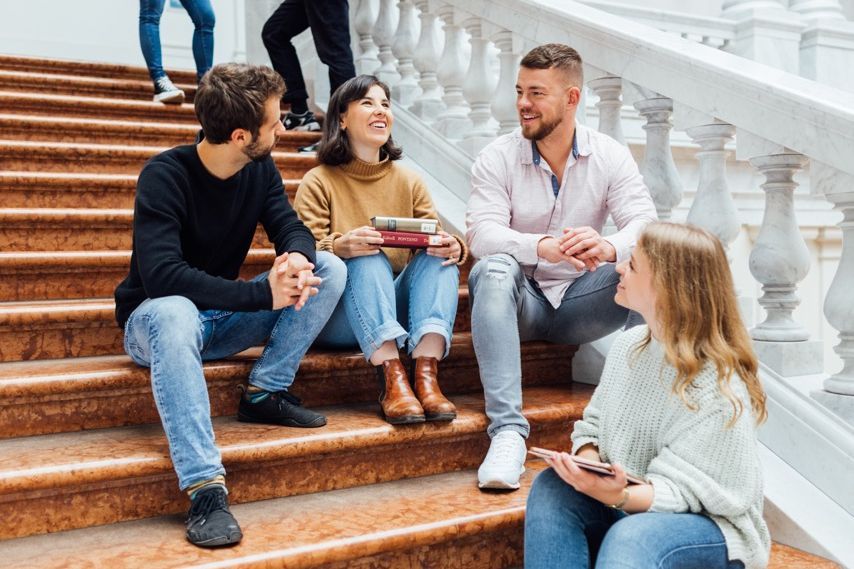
407, 231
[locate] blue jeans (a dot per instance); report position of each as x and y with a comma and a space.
508, 308
173, 337
567, 529
377, 307
202, 14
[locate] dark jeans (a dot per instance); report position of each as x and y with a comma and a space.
329, 21
202, 14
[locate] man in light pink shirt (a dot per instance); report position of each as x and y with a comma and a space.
538, 201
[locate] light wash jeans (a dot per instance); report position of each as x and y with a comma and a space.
508, 308
377, 306
172, 337
202, 14
567, 529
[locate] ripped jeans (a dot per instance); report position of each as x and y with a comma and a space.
508, 308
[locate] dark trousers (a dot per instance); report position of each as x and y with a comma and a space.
329, 21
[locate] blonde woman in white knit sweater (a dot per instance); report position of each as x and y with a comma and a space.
677, 405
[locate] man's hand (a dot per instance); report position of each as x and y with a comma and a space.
449, 249
586, 245
292, 281
358, 243
549, 249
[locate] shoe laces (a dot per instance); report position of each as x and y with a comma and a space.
165, 84
286, 396
503, 448
208, 502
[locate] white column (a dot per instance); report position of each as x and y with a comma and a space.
659, 170
610, 104
818, 9
504, 101
765, 32
364, 22
428, 105
478, 89
453, 121
405, 40
731, 8
827, 45
384, 36
713, 207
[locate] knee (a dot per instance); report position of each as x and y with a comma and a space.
501, 271
378, 263
332, 270
268, 35
175, 318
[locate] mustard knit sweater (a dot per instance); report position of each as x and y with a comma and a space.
332, 200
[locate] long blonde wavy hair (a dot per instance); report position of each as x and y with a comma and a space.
697, 312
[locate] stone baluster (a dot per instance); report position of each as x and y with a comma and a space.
364, 22
384, 36
713, 207
779, 261
453, 120
504, 103
478, 89
659, 170
818, 9
839, 302
405, 40
609, 90
428, 105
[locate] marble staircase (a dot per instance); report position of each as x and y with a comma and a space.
85, 475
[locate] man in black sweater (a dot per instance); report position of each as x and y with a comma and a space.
196, 212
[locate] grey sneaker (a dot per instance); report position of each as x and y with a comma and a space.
304, 122
166, 92
308, 149
209, 522
504, 463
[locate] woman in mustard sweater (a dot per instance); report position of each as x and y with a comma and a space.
394, 297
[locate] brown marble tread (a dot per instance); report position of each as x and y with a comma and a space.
87, 68
56, 396
67, 481
94, 107
60, 83
435, 521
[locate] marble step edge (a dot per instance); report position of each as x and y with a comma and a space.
442, 520
75, 105
87, 68
72, 480
50, 82
75, 261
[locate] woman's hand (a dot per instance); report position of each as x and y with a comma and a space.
606, 489
449, 249
358, 243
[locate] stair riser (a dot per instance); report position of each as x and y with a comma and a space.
114, 402
105, 162
30, 513
106, 70
98, 109
96, 334
118, 196
127, 89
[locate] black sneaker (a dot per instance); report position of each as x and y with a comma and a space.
209, 522
166, 92
277, 408
305, 121
309, 148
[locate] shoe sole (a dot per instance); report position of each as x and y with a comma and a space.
406, 419
311, 127
221, 541
499, 484
313, 425
442, 417
170, 98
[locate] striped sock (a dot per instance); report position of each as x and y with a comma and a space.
215, 481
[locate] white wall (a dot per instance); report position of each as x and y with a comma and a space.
107, 30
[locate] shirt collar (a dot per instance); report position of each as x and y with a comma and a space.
580, 147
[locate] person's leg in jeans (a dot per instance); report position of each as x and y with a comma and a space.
330, 28
150, 12
287, 21
427, 295
202, 14
665, 540
563, 527
587, 311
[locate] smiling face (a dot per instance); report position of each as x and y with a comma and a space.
544, 99
636, 291
268, 134
368, 121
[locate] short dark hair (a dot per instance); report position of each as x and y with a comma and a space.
556, 55
232, 96
334, 148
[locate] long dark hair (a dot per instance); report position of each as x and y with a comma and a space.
334, 148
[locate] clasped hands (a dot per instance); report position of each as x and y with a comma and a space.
292, 281
581, 247
367, 241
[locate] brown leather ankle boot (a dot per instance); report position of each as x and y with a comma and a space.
398, 403
426, 376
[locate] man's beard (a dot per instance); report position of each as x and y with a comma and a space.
258, 154
543, 131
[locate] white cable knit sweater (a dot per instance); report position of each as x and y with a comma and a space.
693, 461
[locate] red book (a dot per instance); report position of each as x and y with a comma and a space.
408, 239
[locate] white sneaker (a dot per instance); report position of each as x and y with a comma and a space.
504, 463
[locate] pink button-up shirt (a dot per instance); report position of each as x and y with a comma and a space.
513, 206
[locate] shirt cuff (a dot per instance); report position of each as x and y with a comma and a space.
622, 244
326, 244
528, 249
579, 442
